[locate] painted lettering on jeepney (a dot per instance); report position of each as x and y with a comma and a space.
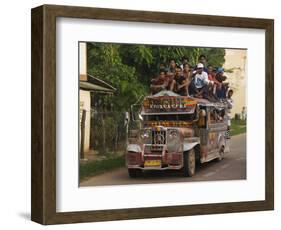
169, 104
168, 123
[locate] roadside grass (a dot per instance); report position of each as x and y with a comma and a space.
93, 168
237, 127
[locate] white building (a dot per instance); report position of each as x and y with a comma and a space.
88, 85
236, 60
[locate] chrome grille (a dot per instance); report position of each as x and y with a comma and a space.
158, 137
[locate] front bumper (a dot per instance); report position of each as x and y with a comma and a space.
169, 167
168, 160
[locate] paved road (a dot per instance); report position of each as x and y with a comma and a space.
232, 167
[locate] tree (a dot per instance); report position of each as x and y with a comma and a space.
104, 62
130, 67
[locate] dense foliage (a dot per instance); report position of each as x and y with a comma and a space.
129, 68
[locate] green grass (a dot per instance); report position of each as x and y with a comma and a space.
237, 127
92, 168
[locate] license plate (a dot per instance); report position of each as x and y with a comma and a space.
152, 163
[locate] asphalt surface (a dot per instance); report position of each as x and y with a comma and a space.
232, 167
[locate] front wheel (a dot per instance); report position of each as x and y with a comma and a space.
189, 163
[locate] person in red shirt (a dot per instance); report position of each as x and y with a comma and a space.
212, 77
159, 83
211, 73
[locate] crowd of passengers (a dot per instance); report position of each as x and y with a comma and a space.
200, 81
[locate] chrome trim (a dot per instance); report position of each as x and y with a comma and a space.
156, 168
153, 155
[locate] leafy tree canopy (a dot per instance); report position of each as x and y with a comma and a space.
129, 68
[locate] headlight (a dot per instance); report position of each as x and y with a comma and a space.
173, 134
174, 143
145, 134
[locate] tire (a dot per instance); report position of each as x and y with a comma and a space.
189, 163
221, 153
134, 173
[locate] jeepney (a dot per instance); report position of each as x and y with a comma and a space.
175, 132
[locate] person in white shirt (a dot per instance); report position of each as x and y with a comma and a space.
199, 86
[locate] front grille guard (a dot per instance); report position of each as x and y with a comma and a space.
159, 137
152, 150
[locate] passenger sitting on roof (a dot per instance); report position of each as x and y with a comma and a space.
159, 83
203, 60
211, 73
187, 73
199, 85
212, 88
222, 86
172, 66
170, 81
180, 82
212, 77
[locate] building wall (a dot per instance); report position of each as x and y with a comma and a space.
236, 60
83, 61
85, 103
